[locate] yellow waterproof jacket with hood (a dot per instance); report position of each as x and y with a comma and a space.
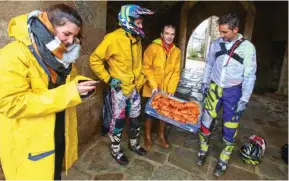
28, 108
123, 53
161, 68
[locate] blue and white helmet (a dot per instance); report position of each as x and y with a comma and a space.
127, 15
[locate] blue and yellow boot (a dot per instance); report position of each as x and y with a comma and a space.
204, 144
224, 158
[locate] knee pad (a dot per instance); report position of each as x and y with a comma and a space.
133, 133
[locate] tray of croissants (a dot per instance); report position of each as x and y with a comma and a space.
176, 111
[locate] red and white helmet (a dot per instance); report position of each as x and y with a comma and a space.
260, 141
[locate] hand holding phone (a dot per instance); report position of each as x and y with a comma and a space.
85, 86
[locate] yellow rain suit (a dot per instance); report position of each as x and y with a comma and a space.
28, 109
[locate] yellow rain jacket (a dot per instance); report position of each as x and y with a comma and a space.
27, 111
162, 69
123, 52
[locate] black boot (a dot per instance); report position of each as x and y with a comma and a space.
204, 144
134, 146
116, 152
201, 157
221, 167
119, 157
224, 158
133, 133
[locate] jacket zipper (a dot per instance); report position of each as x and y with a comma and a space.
132, 65
165, 70
171, 77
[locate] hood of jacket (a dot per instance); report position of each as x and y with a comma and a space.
18, 29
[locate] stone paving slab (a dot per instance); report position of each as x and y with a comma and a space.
233, 173
75, 174
273, 154
186, 159
98, 160
192, 142
116, 176
195, 177
168, 172
139, 170
270, 170
284, 168
183, 158
275, 136
156, 157
177, 136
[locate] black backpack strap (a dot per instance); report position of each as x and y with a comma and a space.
223, 50
229, 52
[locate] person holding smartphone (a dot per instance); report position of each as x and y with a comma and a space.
39, 89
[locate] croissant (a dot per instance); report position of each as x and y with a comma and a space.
184, 112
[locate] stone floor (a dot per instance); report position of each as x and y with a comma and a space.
266, 115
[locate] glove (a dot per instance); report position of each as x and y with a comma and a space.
156, 90
241, 106
114, 83
204, 88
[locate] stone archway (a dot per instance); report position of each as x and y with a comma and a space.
203, 11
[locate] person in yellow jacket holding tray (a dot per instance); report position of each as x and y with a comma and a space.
161, 65
39, 90
123, 52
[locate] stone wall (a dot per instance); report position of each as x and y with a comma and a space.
270, 46
214, 28
94, 16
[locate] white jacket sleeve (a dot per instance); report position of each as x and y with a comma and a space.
250, 67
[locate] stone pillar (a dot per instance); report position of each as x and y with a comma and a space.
283, 82
208, 38
249, 25
250, 18
183, 33
187, 5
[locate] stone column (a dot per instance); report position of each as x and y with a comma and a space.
208, 37
249, 24
187, 5
251, 10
